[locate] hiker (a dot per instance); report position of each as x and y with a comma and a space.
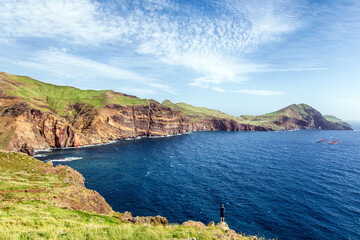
222, 213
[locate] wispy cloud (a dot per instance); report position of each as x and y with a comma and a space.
60, 63
79, 21
218, 89
256, 92
213, 44
260, 92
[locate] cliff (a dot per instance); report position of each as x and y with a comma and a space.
39, 201
36, 115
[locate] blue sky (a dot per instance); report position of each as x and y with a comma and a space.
237, 56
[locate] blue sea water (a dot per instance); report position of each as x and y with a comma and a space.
274, 184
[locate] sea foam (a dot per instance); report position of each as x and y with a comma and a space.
69, 159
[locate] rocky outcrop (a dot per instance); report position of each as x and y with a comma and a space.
157, 220
227, 233
194, 224
127, 217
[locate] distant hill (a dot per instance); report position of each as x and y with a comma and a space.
37, 115
296, 116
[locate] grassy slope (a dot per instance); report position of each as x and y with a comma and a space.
331, 118
58, 98
27, 210
198, 113
294, 110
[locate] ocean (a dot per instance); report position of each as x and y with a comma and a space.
273, 184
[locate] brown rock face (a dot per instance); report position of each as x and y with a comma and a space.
33, 129
225, 125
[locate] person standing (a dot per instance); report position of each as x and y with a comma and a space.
222, 213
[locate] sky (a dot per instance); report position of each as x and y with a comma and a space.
236, 56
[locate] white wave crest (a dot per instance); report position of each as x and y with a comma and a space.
69, 159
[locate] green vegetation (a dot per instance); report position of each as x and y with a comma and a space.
31, 208
298, 111
333, 119
46, 97
198, 113
294, 110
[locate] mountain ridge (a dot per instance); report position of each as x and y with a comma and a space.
36, 115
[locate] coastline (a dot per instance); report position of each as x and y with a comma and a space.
39, 151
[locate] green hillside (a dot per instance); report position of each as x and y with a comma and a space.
197, 113
298, 111
47, 97
331, 118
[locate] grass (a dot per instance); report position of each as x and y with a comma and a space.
47, 97
36, 220
333, 119
29, 208
5, 137
198, 113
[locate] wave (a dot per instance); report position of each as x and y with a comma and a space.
44, 150
39, 155
69, 159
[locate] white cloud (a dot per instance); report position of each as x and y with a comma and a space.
82, 21
218, 89
212, 44
60, 63
260, 92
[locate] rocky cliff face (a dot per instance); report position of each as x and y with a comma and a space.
33, 129
216, 124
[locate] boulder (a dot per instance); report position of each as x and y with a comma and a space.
157, 220
194, 224
223, 225
211, 224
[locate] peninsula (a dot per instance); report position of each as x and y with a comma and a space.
35, 115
